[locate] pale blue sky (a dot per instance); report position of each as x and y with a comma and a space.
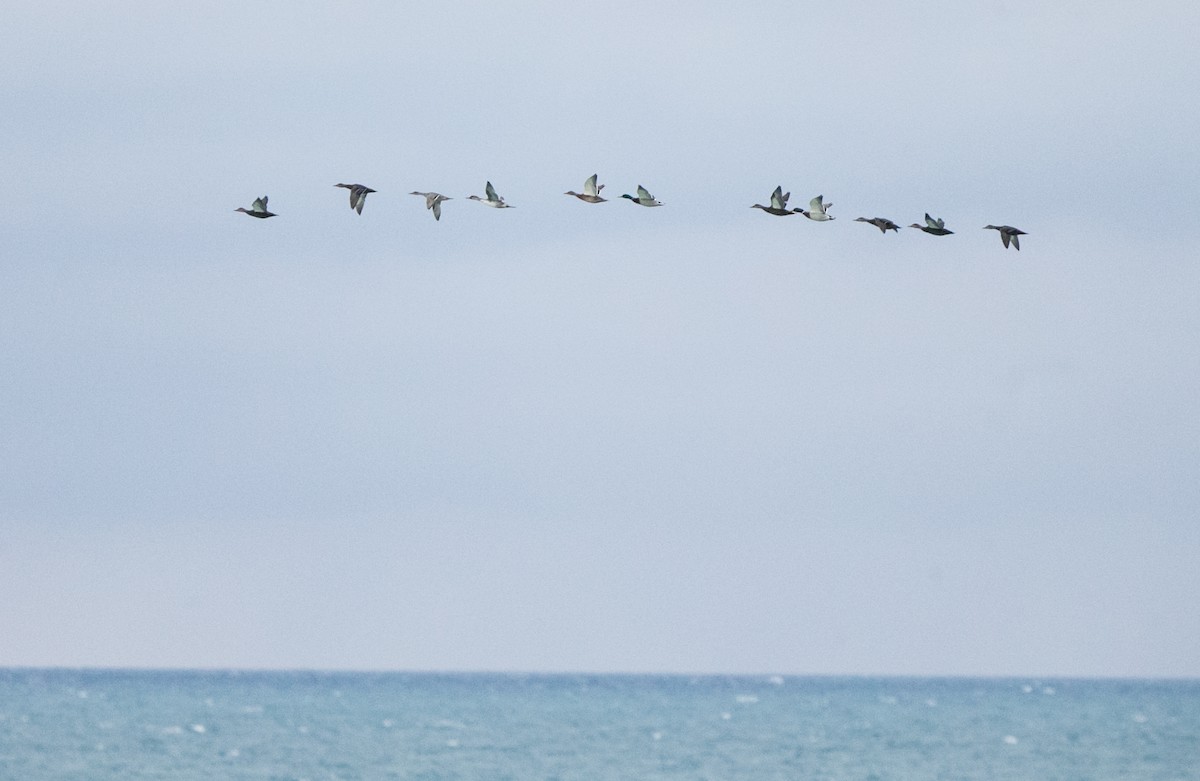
603, 438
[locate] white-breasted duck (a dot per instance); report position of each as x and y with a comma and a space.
358, 195
257, 209
644, 198
591, 191
883, 223
778, 205
816, 209
1008, 234
433, 202
933, 227
493, 200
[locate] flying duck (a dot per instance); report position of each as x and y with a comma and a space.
358, 195
433, 201
644, 198
591, 191
493, 200
932, 226
816, 210
257, 209
883, 223
1008, 233
778, 205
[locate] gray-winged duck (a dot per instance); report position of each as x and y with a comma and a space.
358, 195
778, 205
816, 209
644, 198
883, 223
933, 227
433, 202
1008, 233
493, 200
591, 191
257, 209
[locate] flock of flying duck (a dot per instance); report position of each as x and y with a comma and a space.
817, 211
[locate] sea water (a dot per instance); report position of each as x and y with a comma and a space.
101, 725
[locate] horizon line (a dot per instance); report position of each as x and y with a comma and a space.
769, 676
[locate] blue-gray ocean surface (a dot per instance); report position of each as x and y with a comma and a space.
100, 725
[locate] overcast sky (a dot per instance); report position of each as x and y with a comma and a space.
582, 437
